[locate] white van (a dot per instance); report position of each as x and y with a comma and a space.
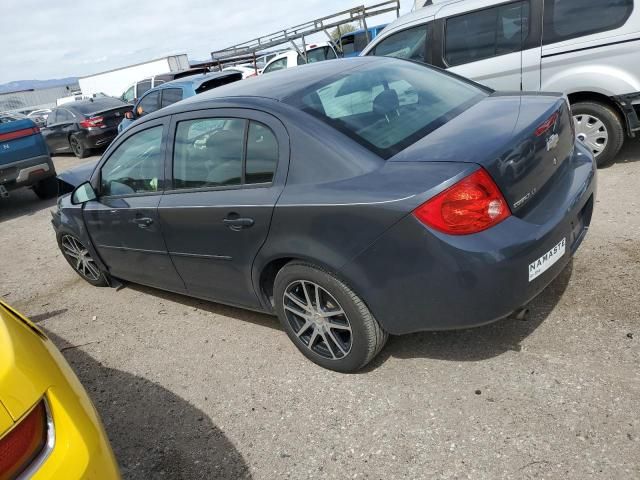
588, 49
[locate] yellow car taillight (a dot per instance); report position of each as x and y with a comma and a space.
24, 443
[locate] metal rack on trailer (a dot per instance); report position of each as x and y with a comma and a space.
248, 50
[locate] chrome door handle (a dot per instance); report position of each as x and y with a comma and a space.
143, 222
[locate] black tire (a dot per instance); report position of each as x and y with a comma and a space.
78, 148
99, 280
612, 122
47, 188
366, 337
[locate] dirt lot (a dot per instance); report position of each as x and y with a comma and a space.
190, 389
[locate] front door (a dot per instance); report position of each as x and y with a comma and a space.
228, 171
497, 46
123, 222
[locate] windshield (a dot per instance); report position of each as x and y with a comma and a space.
387, 107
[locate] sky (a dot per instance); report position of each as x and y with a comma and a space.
55, 39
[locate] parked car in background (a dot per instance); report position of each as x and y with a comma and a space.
317, 52
247, 70
24, 158
172, 92
40, 116
84, 125
48, 426
354, 199
354, 42
135, 91
587, 49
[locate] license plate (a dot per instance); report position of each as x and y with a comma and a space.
546, 261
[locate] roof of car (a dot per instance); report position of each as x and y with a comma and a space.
282, 83
97, 102
193, 80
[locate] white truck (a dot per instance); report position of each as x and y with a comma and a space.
115, 82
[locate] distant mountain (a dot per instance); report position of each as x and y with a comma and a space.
36, 84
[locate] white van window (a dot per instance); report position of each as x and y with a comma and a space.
566, 19
409, 44
486, 33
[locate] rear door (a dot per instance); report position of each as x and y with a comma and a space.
123, 222
229, 168
498, 46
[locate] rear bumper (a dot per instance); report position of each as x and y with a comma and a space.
415, 279
98, 137
27, 172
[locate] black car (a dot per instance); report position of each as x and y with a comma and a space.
354, 199
81, 126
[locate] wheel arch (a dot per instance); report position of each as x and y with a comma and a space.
588, 96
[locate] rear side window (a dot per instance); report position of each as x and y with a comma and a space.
410, 44
148, 104
276, 65
212, 152
566, 19
170, 96
486, 33
388, 107
348, 44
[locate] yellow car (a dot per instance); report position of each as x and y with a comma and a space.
48, 426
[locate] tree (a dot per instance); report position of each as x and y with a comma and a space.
336, 34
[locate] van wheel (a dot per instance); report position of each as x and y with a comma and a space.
600, 129
325, 319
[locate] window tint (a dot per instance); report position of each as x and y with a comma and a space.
410, 44
208, 153
565, 19
262, 154
148, 104
387, 108
136, 166
143, 87
320, 54
171, 96
361, 41
276, 65
486, 33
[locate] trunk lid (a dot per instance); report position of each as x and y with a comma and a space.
522, 140
20, 140
112, 116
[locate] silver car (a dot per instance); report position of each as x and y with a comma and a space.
587, 49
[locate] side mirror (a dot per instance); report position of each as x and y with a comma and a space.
128, 115
83, 193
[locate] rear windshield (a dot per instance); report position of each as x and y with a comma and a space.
99, 105
387, 107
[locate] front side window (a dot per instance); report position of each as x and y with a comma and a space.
410, 44
211, 152
486, 33
148, 104
566, 19
276, 65
386, 107
135, 166
128, 96
170, 96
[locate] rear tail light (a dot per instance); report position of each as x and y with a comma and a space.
472, 205
92, 122
20, 447
25, 132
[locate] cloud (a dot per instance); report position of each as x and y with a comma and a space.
43, 40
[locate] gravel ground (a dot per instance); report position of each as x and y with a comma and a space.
190, 389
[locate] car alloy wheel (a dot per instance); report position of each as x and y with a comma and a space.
80, 258
317, 319
592, 132
75, 146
